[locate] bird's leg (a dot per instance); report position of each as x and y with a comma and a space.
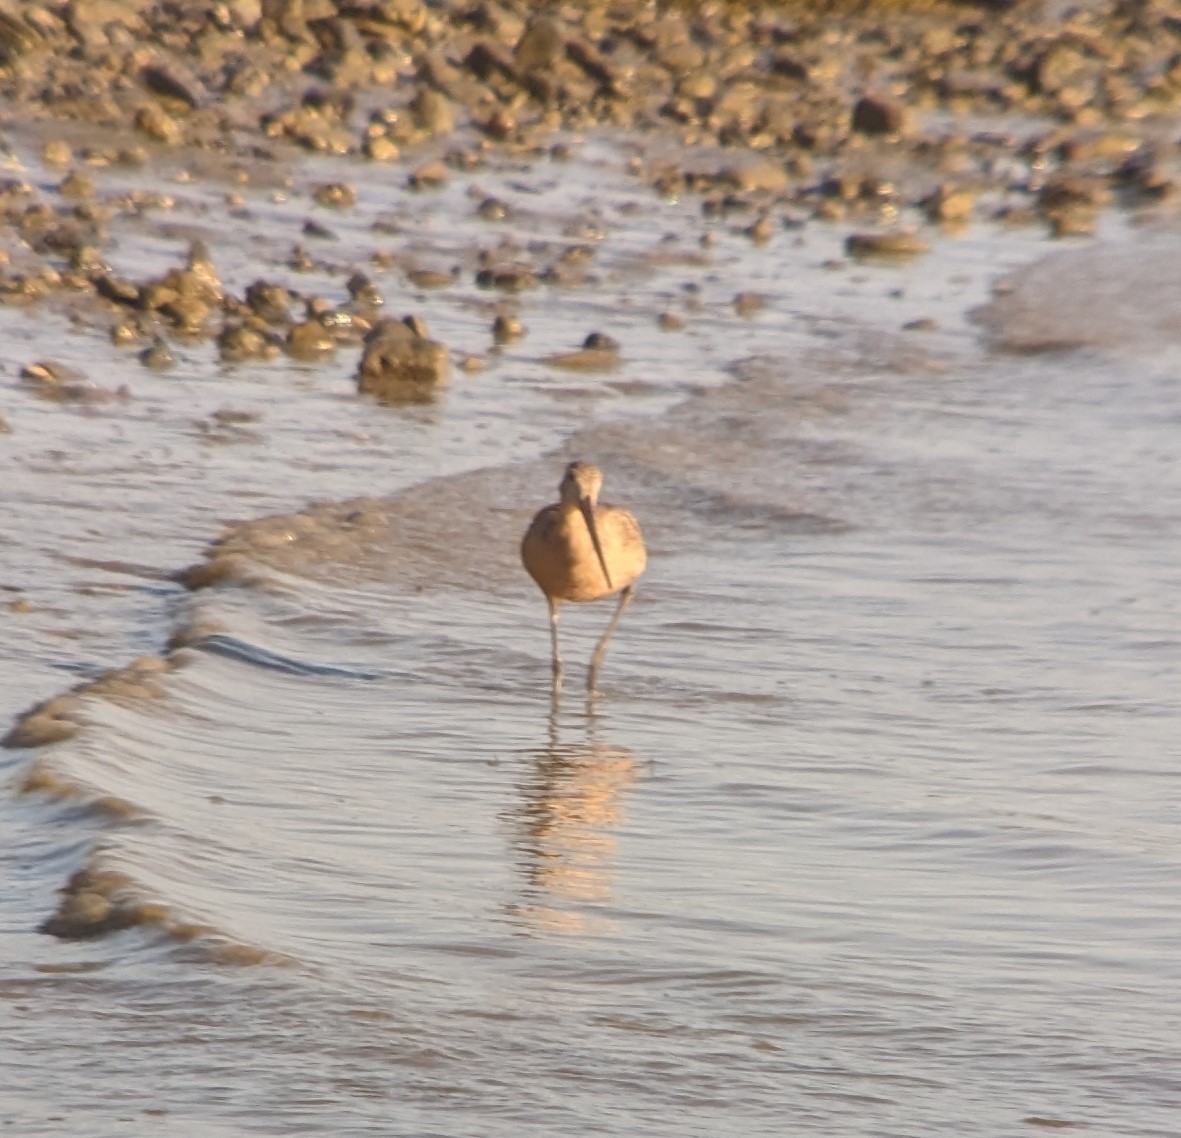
553, 635
625, 599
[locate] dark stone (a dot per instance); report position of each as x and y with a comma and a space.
878, 116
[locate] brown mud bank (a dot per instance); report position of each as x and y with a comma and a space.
374, 77
773, 114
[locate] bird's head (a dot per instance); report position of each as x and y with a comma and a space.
580, 484
580, 490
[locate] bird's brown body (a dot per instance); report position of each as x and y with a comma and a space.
579, 550
559, 553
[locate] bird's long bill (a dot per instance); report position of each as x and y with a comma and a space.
588, 512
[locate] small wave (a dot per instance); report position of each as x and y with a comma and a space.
61, 717
98, 900
221, 644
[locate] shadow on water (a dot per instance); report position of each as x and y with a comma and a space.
564, 826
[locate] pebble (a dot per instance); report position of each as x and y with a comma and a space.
506, 329
897, 244
309, 339
748, 304
401, 363
334, 195
157, 356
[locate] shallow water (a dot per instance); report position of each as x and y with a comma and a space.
872, 831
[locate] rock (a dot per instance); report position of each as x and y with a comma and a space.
432, 112
241, 342
506, 328
599, 352
334, 195
314, 125
407, 16
123, 334
507, 278
154, 121
309, 339
285, 18
1072, 190
1061, 65
76, 185
59, 383
83, 914
157, 356
347, 327
895, 245
493, 209
501, 125
414, 322
170, 83
401, 364
1073, 221
434, 70
761, 230
51, 372
94, 22
748, 177
91, 906
681, 58
430, 278
789, 65
363, 292
542, 45
748, 304
188, 314
697, 85
228, 417
381, 149
586, 56
88, 259
155, 294
430, 176
488, 59
270, 302
343, 58
872, 115
1071, 204
57, 152
117, 289
1141, 172
600, 342
301, 260
17, 38
948, 204
200, 274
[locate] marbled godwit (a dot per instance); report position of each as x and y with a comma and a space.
579, 550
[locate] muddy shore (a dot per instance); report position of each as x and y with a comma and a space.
897, 120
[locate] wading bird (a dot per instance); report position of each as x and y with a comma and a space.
579, 550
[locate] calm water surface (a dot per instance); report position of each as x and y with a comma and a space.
872, 832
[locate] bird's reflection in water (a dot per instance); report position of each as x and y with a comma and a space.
571, 798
